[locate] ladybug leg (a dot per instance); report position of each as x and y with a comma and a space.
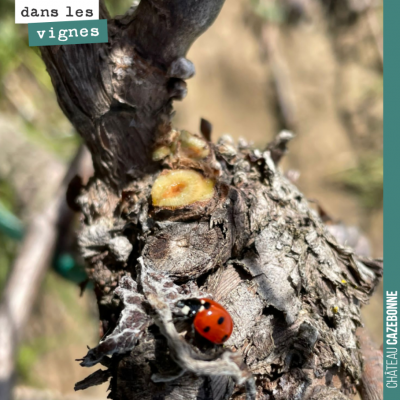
192, 331
168, 377
180, 318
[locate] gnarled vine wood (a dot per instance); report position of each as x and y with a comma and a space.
255, 245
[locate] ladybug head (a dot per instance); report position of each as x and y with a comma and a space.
189, 307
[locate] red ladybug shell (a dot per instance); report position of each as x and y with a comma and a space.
213, 322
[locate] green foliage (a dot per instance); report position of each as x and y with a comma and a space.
28, 354
366, 181
26, 90
118, 7
8, 249
8, 246
67, 293
269, 10
10, 224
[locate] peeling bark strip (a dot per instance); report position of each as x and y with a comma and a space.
170, 215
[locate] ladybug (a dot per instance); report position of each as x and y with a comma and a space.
210, 319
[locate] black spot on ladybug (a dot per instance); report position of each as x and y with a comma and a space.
206, 329
221, 320
207, 305
224, 338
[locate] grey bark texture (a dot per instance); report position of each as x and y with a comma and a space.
256, 246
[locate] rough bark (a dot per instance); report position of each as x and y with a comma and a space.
255, 245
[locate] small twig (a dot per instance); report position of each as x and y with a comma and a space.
375, 30
96, 378
278, 146
280, 74
27, 273
371, 385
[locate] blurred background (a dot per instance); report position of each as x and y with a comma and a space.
311, 66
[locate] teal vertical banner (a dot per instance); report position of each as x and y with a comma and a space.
68, 32
391, 200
